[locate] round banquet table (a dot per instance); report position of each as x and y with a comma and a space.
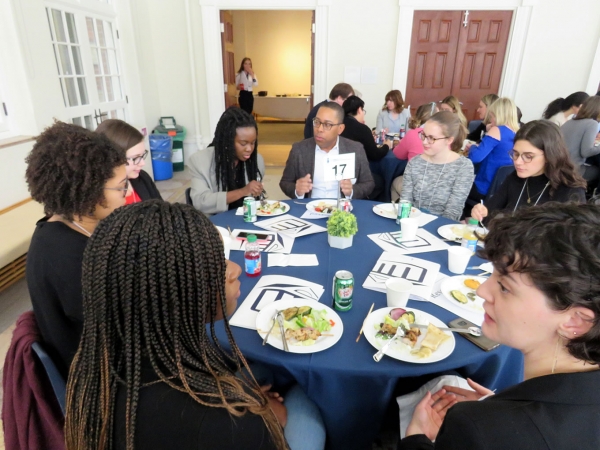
351, 390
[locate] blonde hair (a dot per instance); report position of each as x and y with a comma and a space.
505, 111
453, 103
424, 112
487, 100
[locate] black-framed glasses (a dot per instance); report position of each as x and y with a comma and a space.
326, 125
136, 160
526, 157
124, 189
430, 139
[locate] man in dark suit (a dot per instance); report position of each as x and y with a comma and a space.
300, 179
338, 94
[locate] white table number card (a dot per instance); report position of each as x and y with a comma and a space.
340, 167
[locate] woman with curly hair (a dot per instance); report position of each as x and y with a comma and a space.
543, 298
151, 372
131, 142
80, 178
230, 168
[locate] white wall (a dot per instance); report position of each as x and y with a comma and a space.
278, 42
12, 174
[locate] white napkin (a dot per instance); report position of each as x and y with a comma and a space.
313, 215
239, 211
282, 260
425, 218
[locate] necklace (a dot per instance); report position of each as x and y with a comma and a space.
528, 197
81, 228
434, 186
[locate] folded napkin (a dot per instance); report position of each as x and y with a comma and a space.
425, 218
239, 211
282, 260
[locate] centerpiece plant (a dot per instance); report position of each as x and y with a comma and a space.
341, 228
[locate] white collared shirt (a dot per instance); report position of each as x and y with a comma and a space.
244, 78
322, 188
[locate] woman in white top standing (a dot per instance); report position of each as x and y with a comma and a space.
393, 115
245, 80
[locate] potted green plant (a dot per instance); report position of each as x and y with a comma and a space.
341, 228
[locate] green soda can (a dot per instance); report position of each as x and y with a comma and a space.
404, 207
249, 209
342, 290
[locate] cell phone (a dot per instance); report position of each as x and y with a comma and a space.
242, 235
480, 341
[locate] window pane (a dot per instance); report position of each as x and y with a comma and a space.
82, 91
59, 29
62, 88
56, 58
112, 58
100, 87
89, 123
96, 62
101, 39
77, 60
65, 61
109, 89
90, 29
105, 67
117, 88
113, 114
109, 35
71, 27
77, 121
49, 23
71, 91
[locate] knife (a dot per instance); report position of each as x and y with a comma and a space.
471, 330
283, 338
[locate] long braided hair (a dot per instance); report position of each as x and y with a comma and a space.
224, 144
153, 276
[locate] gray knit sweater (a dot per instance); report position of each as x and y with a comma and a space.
579, 136
442, 189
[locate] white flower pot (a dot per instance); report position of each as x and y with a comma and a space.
339, 242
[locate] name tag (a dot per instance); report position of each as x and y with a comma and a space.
340, 167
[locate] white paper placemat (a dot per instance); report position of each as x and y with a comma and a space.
393, 242
290, 225
271, 242
281, 260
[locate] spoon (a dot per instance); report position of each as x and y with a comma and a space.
473, 331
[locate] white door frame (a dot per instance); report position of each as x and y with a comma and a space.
211, 35
516, 41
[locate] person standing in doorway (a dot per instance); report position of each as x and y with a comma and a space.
245, 80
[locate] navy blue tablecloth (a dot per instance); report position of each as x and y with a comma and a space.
389, 167
351, 390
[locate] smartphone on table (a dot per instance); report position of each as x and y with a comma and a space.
480, 341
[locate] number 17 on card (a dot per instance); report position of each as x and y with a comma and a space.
340, 167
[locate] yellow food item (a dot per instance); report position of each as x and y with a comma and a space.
458, 230
434, 338
471, 283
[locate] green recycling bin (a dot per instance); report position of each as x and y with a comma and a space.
168, 126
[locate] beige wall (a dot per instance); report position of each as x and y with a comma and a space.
278, 42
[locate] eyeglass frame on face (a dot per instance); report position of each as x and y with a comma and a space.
526, 159
326, 125
124, 189
430, 139
138, 159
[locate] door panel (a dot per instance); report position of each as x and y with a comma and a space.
229, 68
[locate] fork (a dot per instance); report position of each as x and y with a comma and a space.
283, 338
377, 356
271, 329
263, 194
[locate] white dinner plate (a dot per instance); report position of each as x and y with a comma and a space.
454, 232
457, 283
285, 209
387, 210
401, 351
264, 320
327, 201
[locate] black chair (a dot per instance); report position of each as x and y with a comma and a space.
59, 385
499, 178
188, 197
473, 124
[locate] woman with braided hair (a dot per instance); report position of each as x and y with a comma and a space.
150, 371
230, 168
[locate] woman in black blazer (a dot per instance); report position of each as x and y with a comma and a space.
131, 142
543, 299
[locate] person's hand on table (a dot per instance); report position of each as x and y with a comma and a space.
479, 212
346, 186
466, 395
254, 188
303, 185
276, 404
429, 414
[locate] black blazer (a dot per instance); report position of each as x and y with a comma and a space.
558, 412
145, 187
359, 132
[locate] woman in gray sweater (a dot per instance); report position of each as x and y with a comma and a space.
439, 180
580, 134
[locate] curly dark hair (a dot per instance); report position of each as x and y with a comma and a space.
153, 278
68, 168
224, 144
558, 246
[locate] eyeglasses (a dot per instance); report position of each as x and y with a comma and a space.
526, 157
124, 189
138, 159
430, 139
364, 110
326, 125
